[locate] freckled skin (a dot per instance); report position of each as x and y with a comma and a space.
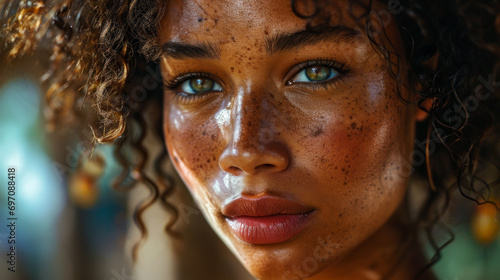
334, 148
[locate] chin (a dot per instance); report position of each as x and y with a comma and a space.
291, 260
295, 268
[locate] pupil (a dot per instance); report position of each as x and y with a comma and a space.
318, 73
200, 85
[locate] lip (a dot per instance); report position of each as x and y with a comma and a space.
266, 220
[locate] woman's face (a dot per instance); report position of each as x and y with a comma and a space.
259, 108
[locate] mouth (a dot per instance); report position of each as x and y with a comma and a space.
266, 220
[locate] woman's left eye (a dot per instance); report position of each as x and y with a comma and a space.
315, 74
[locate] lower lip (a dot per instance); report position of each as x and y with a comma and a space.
268, 229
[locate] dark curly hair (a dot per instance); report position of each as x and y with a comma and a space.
104, 52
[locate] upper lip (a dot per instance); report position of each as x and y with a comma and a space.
263, 206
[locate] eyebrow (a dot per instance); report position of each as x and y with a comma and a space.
280, 42
198, 50
288, 41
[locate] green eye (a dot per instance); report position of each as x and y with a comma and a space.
200, 85
318, 73
315, 74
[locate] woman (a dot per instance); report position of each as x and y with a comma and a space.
297, 126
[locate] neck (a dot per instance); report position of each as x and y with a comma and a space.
391, 253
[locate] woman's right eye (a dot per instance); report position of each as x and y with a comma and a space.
199, 85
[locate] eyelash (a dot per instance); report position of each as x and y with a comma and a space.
177, 81
342, 69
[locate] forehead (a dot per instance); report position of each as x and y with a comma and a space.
192, 21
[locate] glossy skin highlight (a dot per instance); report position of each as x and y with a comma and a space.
339, 147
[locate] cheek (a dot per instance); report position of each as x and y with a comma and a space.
356, 159
192, 144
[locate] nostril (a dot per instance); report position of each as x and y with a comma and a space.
234, 170
246, 159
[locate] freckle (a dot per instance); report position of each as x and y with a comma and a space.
272, 95
353, 125
232, 69
200, 19
208, 160
232, 38
317, 132
208, 29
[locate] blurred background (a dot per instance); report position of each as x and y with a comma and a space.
71, 225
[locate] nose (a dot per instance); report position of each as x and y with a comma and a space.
255, 144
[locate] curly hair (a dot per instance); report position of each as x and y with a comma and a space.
101, 52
